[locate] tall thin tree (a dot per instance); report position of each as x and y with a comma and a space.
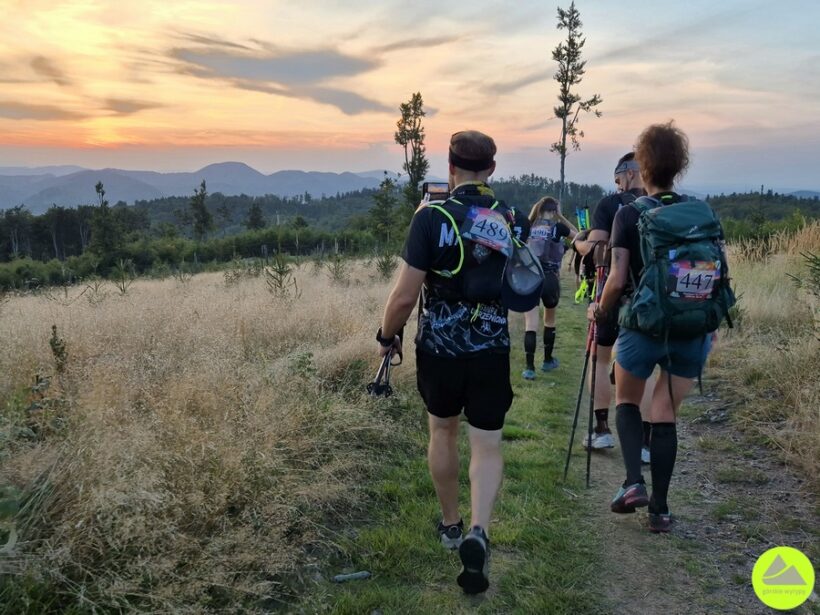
202, 218
410, 135
571, 69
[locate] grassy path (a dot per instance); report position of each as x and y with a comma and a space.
542, 556
556, 547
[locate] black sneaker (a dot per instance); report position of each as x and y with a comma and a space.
475, 556
451, 535
628, 498
660, 523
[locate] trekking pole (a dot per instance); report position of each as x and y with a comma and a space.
380, 387
594, 346
599, 288
578, 402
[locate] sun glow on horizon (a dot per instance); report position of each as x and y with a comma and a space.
90, 75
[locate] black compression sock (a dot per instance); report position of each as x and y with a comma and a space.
647, 432
529, 349
549, 342
630, 435
601, 416
663, 450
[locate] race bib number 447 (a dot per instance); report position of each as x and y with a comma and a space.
488, 228
694, 281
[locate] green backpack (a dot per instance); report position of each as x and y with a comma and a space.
684, 290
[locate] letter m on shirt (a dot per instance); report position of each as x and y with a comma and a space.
447, 235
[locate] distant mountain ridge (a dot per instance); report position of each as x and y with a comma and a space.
39, 188
69, 185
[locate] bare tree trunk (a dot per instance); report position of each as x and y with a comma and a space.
83, 236
15, 243
563, 161
54, 243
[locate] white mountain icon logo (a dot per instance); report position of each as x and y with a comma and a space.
779, 573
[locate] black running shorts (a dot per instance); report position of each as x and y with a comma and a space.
478, 385
551, 292
607, 332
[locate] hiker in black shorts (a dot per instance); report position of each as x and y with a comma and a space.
662, 152
548, 228
629, 184
463, 340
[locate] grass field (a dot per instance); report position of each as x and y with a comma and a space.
206, 446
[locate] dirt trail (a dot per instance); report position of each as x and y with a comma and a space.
732, 500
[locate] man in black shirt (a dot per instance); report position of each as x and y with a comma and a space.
463, 341
628, 180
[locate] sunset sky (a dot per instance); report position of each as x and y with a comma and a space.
316, 85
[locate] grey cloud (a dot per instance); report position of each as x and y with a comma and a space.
512, 85
212, 41
24, 111
347, 102
414, 43
46, 68
299, 67
295, 74
123, 106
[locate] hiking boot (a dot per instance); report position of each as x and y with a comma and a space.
475, 556
451, 535
645, 458
528, 374
548, 366
629, 498
600, 440
660, 523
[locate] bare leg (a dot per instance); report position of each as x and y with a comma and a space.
486, 466
531, 319
442, 458
646, 400
664, 409
603, 388
628, 388
549, 317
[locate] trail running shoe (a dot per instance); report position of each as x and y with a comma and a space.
645, 458
528, 374
629, 498
475, 556
600, 440
451, 535
548, 366
660, 523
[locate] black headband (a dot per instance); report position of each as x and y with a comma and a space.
467, 164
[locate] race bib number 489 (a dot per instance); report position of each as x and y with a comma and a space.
489, 228
694, 281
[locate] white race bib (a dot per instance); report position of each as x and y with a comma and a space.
693, 281
489, 228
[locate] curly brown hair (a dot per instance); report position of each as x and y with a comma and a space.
662, 152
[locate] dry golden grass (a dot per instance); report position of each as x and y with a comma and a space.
772, 359
202, 448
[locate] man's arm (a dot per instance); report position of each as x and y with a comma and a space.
586, 246
400, 303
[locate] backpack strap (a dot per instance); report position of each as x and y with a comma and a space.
645, 203
626, 198
438, 206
